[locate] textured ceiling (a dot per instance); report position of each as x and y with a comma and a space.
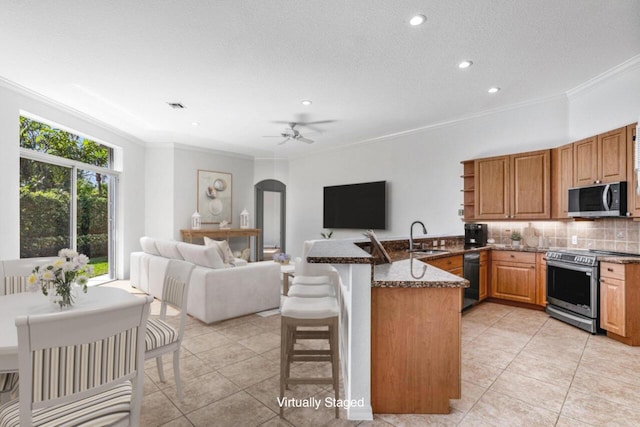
240, 65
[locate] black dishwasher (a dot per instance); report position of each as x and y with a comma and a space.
471, 272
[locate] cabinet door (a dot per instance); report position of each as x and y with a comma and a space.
530, 185
483, 292
541, 280
612, 305
452, 264
612, 155
513, 281
492, 188
633, 199
585, 161
561, 180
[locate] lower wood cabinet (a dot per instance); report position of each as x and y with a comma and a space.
620, 301
484, 275
452, 264
513, 276
541, 280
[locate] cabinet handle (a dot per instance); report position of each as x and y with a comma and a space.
512, 256
533, 266
609, 269
506, 216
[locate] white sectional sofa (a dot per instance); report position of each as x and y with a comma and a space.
216, 292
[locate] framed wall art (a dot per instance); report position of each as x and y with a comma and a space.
214, 196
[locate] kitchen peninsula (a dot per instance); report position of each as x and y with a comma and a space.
400, 331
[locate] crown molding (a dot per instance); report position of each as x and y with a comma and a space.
21, 90
591, 83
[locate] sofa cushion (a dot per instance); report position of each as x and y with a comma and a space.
223, 249
148, 245
168, 249
206, 256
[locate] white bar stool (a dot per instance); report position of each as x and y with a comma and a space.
309, 312
311, 291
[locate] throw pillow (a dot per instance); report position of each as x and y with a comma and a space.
206, 256
223, 249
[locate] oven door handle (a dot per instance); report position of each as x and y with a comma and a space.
574, 267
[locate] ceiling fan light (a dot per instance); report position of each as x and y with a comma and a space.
465, 64
494, 90
306, 102
417, 20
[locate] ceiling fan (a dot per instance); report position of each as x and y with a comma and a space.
291, 133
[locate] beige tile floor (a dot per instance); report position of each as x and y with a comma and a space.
519, 368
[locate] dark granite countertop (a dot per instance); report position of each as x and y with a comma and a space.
407, 270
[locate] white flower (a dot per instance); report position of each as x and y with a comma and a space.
69, 266
82, 280
59, 263
48, 276
82, 260
67, 253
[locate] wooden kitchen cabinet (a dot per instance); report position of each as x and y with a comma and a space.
452, 264
620, 301
514, 187
468, 190
561, 180
513, 276
541, 280
633, 199
484, 276
601, 158
492, 188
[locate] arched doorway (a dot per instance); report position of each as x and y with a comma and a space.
271, 197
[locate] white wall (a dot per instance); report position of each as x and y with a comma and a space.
159, 191
131, 162
188, 161
422, 169
607, 103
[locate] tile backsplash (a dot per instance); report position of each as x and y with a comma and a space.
620, 234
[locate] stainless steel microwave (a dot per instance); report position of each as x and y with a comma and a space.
599, 200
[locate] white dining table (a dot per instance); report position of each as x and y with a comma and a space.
28, 303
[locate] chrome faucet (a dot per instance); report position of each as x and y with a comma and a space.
424, 229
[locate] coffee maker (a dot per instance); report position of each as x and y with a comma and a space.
475, 235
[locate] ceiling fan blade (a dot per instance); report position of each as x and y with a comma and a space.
303, 139
272, 136
283, 141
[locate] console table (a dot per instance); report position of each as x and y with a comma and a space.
224, 233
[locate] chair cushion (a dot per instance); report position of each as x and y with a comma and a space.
311, 291
309, 308
105, 408
8, 381
311, 280
158, 334
169, 249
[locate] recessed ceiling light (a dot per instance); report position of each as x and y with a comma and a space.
195, 124
417, 20
494, 90
306, 102
465, 64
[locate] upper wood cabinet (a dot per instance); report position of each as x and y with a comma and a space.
601, 158
513, 187
468, 190
633, 199
561, 180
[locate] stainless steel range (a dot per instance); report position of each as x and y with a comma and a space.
573, 286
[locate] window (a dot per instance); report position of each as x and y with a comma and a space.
67, 189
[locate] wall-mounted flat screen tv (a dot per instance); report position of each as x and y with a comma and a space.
359, 206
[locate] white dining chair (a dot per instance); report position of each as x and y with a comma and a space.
15, 273
80, 367
162, 338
